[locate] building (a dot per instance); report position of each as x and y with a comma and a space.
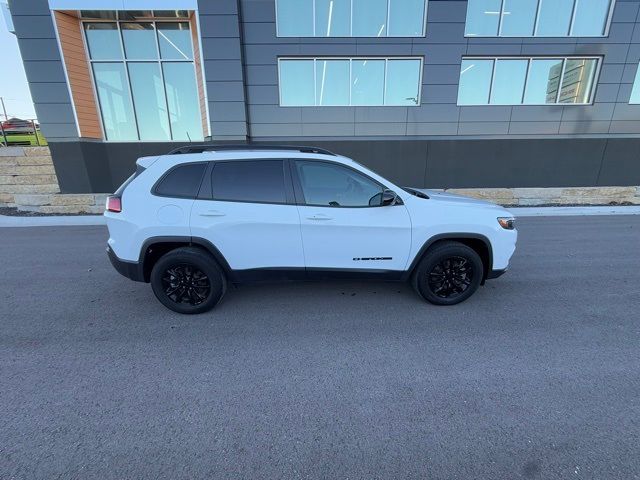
435, 93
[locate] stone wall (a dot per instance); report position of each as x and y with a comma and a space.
555, 196
26, 170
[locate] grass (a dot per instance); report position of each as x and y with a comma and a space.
22, 138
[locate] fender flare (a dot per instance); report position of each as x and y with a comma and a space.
453, 236
191, 241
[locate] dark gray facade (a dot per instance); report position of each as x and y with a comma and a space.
435, 144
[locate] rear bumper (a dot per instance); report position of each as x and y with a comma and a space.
131, 270
496, 273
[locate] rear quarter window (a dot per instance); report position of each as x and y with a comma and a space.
182, 181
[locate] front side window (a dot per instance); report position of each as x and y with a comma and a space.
527, 81
330, 185
182, 182
350, 81
351, 18
540, 18
254, 181
145, 78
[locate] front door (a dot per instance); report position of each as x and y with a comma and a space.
344, 225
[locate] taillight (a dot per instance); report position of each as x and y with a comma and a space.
114, 204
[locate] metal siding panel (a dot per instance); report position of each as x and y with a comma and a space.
46, 71
50, 113
49, 92
39, 49
428, 113
225, 91
485, 113
274, 114
483, 128
327, 114
223, 70
219, 26
34, 26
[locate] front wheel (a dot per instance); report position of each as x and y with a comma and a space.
188, 280
449, 273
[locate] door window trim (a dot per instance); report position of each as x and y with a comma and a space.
297, 184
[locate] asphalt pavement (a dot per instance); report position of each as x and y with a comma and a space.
536, 376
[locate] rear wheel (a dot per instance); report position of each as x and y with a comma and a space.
188, 280
449, 273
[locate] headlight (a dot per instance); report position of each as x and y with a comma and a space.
508, 223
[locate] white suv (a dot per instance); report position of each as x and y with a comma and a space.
197, 218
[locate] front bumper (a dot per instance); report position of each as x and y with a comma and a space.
131, 270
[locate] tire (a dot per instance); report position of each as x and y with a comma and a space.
449, 273
188, 280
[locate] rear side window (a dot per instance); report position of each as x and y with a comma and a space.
183, 181
259, 181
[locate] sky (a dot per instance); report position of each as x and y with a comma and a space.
13, 81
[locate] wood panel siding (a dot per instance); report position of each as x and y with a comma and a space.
199, 77
77, 66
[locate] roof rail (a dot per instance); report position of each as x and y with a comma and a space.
247, 146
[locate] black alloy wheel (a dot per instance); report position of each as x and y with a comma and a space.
450, 277
448, 273
188, 280
184, 283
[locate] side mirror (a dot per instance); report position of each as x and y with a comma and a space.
389, 198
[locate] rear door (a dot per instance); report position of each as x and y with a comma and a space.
344, 225
246, 209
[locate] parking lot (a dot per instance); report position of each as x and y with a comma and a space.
536, 376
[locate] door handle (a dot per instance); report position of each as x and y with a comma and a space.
319, 217
212, 213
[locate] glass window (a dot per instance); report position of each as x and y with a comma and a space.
320, 82
115, 102
295, 18
518, 18
369, 18
149, 101
139, 41
260, 181
403, 82
297, 83
102, 14
406, 18
330, 185
332, 82
183, 100
483, 17
333, 18
143, 97
175, 41
367, 82
554, 18
543, 81
475, 82
590, 17
508, 82
134, 14
577, 80
171, 13
103, 41
635, 92
183, 181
